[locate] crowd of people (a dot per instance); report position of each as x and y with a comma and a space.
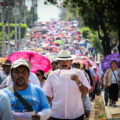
64, 92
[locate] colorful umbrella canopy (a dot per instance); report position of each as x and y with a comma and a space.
58, 41
108, 59
38, 61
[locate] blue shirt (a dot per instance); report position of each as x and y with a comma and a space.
32, 94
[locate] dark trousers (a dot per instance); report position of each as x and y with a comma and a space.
79, 118
106, 94
113, 92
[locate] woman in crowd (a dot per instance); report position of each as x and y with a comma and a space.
41, 77
110, 80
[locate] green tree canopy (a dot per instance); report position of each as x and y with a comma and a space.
102, 16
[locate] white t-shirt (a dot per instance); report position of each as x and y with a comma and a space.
113, 76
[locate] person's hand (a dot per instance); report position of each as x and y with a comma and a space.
91, 90
75, 78
36, 117
105, 86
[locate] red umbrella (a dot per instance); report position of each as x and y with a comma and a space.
38, 61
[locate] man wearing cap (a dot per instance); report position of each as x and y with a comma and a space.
32, 78
64, 87
5, 70
30, 93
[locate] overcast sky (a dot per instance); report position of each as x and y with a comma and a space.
45, 12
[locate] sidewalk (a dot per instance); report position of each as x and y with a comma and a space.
113, 113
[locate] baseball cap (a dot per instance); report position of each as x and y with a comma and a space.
20, 62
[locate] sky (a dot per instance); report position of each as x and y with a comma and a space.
45, 12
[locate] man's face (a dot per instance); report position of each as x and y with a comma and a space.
7, 68
65, 64
20, 76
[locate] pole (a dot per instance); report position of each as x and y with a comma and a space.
19, 46
15, 30
3, 30
25, 13
8, 48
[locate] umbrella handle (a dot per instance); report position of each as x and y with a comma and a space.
30, 57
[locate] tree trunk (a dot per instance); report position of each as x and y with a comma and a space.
119, 41
103, 43
105, 38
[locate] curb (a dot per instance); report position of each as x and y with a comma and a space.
92, 111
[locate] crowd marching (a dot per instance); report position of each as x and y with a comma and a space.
64, 90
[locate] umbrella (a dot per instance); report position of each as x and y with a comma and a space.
58, 41
108, 59
38, 61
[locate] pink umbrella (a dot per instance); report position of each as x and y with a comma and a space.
47, 42
38, 61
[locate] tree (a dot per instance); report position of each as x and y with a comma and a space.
100, 15
63, 14
93, 38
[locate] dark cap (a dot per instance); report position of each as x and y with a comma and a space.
7, 62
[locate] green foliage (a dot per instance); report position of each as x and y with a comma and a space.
102, 16
93, 38
12, 31
96, 42
85, 31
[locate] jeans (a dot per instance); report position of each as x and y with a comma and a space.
106, 94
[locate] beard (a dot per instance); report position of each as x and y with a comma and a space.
20, 82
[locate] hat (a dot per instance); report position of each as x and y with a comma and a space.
97, 62
20, 62
30, 65
7, 62
64, 55
93, 67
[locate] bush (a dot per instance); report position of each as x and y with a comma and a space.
12, 31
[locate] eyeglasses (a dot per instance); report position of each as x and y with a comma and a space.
38, 74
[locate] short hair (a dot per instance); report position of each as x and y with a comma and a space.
41, 71
113, 61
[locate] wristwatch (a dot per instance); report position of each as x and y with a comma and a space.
79, 84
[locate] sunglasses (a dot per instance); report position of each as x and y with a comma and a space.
38, 74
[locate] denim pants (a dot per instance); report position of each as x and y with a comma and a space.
106, 94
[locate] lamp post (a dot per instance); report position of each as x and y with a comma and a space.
3, 30
16, 13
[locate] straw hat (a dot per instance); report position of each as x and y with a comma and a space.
64, 55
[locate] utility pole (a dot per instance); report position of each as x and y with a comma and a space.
25, 22
20, 16
8, 48
16, 13
3, 30
33, 11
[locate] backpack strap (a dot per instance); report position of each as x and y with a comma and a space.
24, 102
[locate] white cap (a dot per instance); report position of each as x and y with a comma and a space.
20, 62
93, 67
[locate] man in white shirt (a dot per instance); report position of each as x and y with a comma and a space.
64, 87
